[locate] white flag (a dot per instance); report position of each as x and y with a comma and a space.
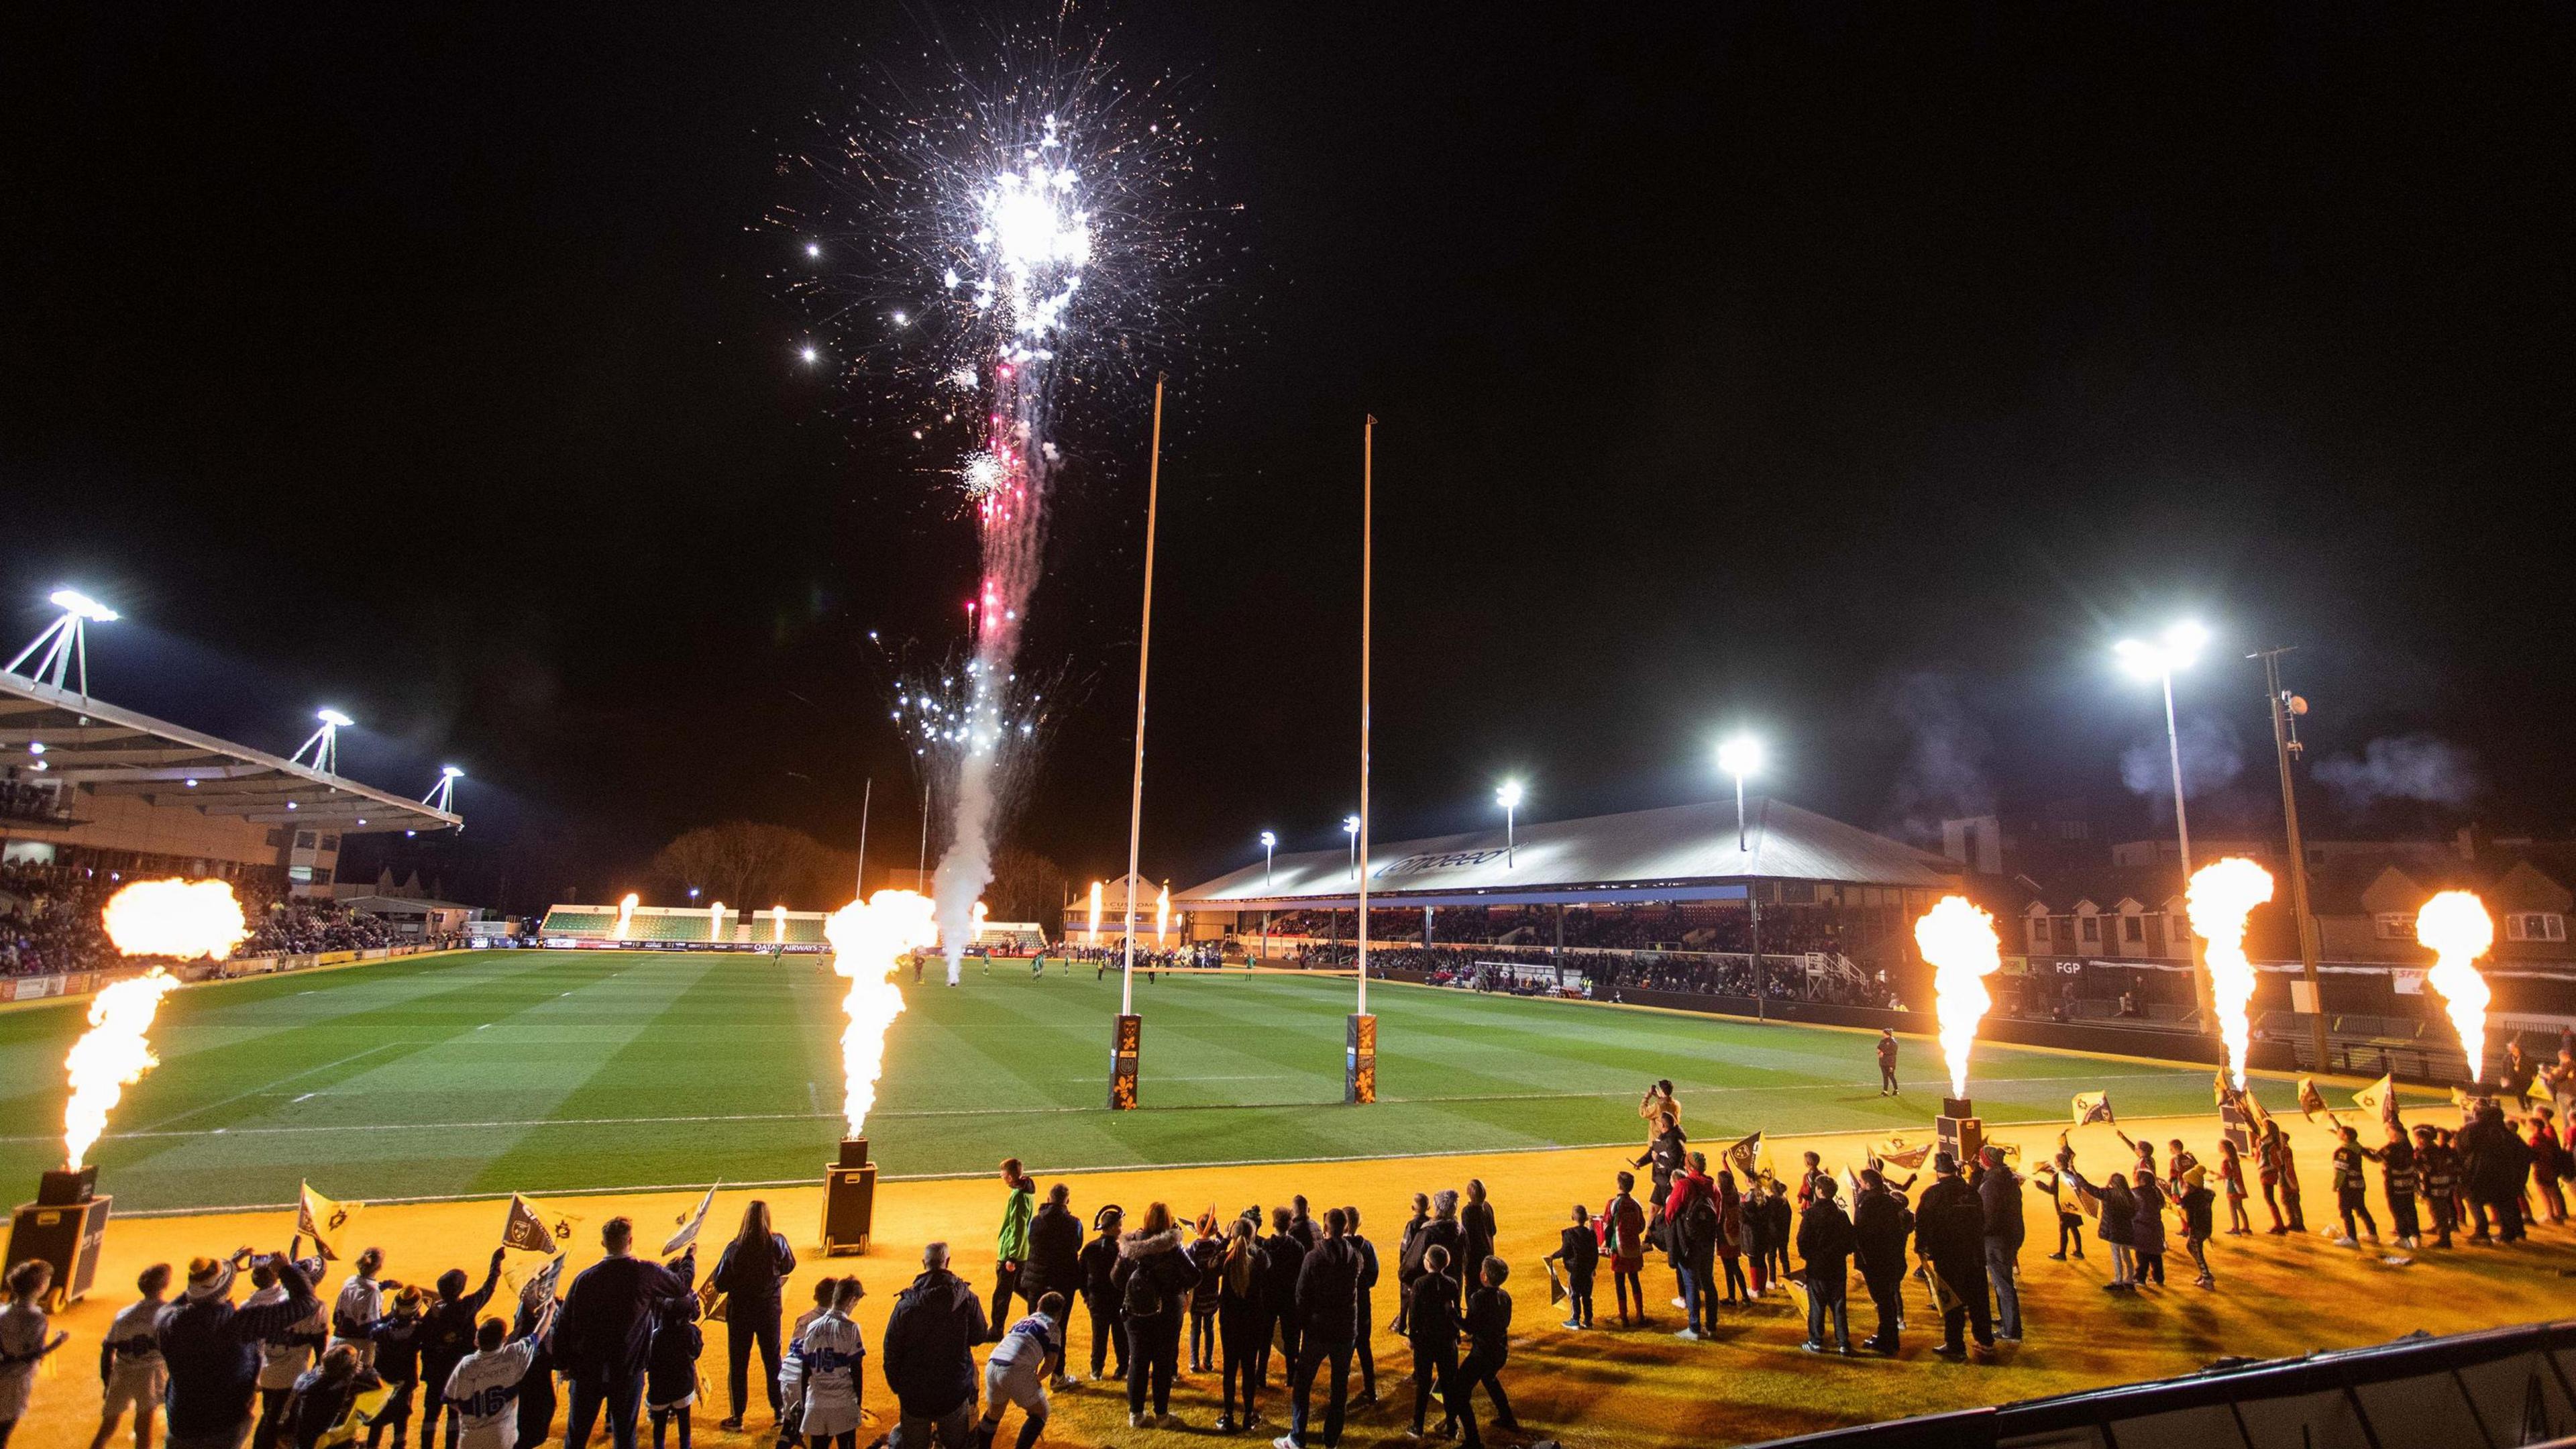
690, 1222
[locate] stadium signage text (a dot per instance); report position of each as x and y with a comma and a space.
1445, 860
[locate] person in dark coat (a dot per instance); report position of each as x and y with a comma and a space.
1100, 1296
604, 1335
1283, 1256
671, 1361
1368, 1307
1580, 1252
1408, 1258
1999, 1194
1327, 1309
1055, 1252
211, 1348
1154, 1279
1476, 1228
1669, 1154
324, 1394
532, 1321
1488, 1326
1243, 1322
446, 1337
2147, 1227
1207, 1256
930, 1340
1880, 1227
750, 1273
1443, 1231
1431, 1330
396, 1337
2496, 1164
1950, 1232
1825, 1242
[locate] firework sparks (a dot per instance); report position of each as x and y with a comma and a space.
2220, 897
1960, 942
2456, 925
868, 937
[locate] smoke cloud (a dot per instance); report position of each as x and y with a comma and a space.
1944, 773
2404, 767
2211, 760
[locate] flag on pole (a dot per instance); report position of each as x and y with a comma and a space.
2311, 1101
689, 1223
1908, 1155
2091, 1107
324, 1221
544, 1283
533, 1227
1555, 1286
2254, 1113
2221, 1090
1745, 1156
2379, 1100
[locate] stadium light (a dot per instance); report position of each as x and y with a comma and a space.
1509, 797
1351, 828
1740, 756
324, 742
65, 641
442, 795
2176, 649
1269, 854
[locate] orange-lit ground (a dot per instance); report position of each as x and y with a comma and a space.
2275, 1296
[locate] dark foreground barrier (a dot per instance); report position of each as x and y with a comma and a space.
2487, 1390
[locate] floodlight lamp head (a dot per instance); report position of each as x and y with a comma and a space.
1740, 756
451, 772
1268, 840
1509, 797
80, 605
333, 718
1350, 825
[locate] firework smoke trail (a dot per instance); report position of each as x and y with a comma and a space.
2222, 894
868, 937
1960, 942
1018, 230
2456, 925
180, 918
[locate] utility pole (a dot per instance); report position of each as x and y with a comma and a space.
2284, 707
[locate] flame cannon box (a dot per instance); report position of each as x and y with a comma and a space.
849, 1199
1960, 1131
64, 1226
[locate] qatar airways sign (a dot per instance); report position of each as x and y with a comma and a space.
1442, 860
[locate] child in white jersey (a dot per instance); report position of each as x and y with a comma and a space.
22, 1339
482, 1391
823, 1368
791, 1413
1017, 1372
129, 1361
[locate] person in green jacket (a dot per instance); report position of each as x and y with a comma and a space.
1011, 1246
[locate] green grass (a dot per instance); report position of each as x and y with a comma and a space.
552, 1071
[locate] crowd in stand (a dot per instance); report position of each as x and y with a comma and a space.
28, 800
50, 921
1603, 975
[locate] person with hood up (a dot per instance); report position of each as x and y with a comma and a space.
1055, 1262
821, 1375
211, 1348
1154, 1278
930, 1340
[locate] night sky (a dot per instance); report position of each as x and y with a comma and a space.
1852, 374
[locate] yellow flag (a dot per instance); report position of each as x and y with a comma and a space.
2311, 1101
2093, 1107
2379, 1100
1744, 1156
324, 1221
535, 1228
1901, 1153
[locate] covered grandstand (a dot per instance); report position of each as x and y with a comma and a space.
1804, 893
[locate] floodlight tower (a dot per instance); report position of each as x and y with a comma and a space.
1269, 853
2180, 645
65, 641
1509, 797
324, 742
442, 796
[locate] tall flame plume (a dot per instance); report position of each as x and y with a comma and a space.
2455, 924
2220, 897
181, 918
1960, 942
868, 937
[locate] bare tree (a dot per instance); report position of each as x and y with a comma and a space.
747, 864
1026, 886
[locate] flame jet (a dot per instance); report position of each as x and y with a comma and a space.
2220, 897
2455, 924
867, 938
1960, 942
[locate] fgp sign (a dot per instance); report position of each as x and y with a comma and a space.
1442, 860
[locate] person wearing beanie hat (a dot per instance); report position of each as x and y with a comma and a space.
211, 1348
360, 1303
1950, 1232
397, 1339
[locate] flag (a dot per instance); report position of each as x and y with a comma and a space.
1555, 1287
689, 1223
324, 1221
1851, 1186
2091, 1107
2254, 1113
2010, 1152
1943, 1296
712, 1302
1800, 1291
1745, 1156
2311, 1101
1902, 1153
2220, 1088
535, 1228
2379, 1100
544, 1283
